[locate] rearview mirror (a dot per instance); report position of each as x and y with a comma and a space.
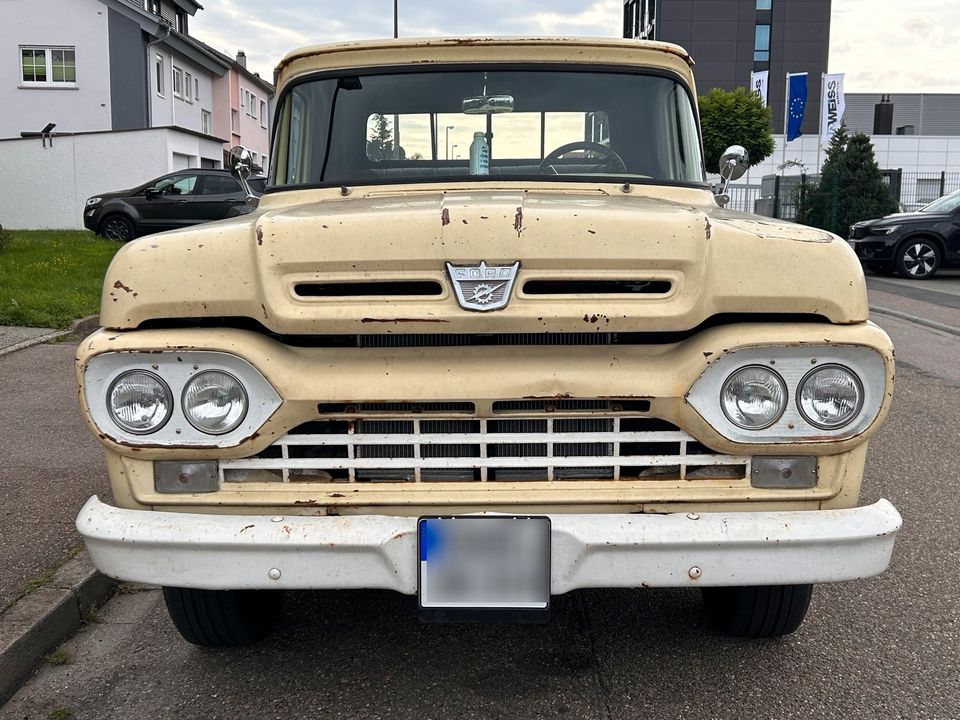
487, 104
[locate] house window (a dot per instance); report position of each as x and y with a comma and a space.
48, 65
181, 23
153, 6
263, 113
158, 64
188, 87
205, 122
761, 45
177, 82
196, 88
764, 4
234, 120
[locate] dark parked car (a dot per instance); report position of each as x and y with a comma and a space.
915, 244
182, 198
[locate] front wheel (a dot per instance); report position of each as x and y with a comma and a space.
762, 611
117, 227
223, 618
918, 259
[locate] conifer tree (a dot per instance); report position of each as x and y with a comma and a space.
851, 187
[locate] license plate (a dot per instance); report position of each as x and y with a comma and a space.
484, 569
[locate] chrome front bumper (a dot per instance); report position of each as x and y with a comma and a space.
380, 551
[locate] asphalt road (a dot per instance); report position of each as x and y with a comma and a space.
50, 464
880, 648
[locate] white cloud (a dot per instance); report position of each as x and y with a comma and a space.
882, 45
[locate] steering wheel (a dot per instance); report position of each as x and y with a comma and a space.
610, 161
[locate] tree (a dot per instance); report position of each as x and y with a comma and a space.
851, 187
735, 117
380, 143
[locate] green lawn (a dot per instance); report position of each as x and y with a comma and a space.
50, 277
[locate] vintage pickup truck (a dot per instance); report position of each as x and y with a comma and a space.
486, 376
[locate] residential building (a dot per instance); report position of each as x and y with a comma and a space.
250, 101
729, 39
120, 93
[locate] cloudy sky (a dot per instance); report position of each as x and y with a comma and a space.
882, 45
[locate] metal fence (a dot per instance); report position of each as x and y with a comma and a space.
776, 196
915, 189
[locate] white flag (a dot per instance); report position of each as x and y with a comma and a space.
758, 84
832, 105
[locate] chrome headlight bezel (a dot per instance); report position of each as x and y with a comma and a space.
792, 364
93, 201
176, 369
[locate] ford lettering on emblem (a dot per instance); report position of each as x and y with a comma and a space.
483, 287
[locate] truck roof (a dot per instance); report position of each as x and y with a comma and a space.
405, 51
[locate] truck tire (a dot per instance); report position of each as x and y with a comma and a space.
763, 611
223, 618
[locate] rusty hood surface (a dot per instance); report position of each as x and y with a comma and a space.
707, 261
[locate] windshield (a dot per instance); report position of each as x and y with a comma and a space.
946, 204
458, 125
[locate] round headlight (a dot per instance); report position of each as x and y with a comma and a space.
753, 397
139, 402
830, 397
214, 402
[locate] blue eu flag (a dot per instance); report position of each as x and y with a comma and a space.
796, 104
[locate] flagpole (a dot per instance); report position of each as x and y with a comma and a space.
786, 114
823, 97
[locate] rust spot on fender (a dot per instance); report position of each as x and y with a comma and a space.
120, 286
445, 217
306, 503
708, 229
245, 528
335, 495
259, 235
403, 320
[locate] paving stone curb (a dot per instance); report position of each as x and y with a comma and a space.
915, 319
81, 326
39, 622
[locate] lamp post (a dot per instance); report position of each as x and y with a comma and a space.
396, 18
452, 148
448, 129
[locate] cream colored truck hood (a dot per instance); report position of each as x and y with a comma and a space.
716, 261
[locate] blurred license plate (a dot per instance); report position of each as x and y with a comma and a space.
488, 569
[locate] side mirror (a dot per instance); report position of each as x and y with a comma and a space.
733, 164
152, 192
240, 162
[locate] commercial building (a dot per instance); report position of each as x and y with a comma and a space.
729, 39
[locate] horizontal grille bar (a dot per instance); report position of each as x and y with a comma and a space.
536, 449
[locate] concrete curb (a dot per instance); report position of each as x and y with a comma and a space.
916, 319
39, 622
82, 326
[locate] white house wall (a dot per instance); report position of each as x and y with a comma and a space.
169, 110
81, 24
76, 167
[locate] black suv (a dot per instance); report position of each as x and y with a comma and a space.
182, 198
914, 245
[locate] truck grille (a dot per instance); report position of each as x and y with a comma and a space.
502, 449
